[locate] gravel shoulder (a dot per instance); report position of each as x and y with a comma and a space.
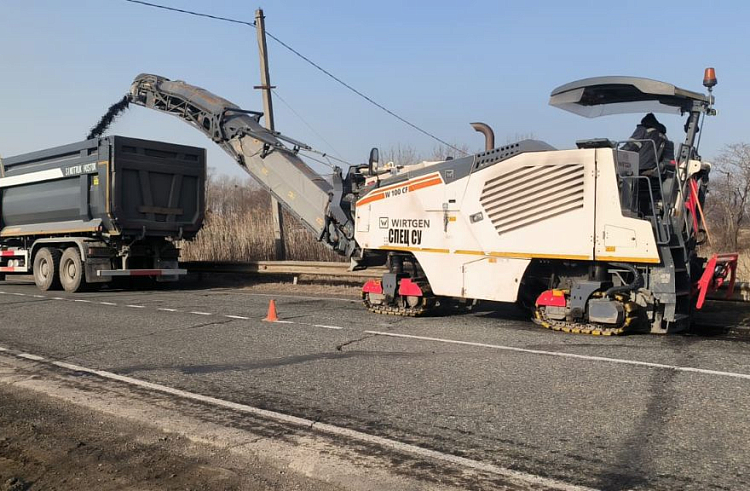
49, 444
62, 430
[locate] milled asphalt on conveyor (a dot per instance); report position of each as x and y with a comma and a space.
584, 421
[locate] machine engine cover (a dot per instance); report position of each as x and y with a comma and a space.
604, 311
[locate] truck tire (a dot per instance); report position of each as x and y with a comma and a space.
46, 266
72, 273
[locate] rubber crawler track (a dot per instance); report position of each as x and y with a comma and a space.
422, 309
541, 319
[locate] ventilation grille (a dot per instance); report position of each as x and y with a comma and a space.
497, 155
531, 194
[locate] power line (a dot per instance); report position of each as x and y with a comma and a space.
327, 164
190, 12
276, 93
368, 99
306, 59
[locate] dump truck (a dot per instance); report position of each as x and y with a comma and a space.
82, 214
583, 237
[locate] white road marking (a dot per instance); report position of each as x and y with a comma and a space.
327, 327
195, 312
29, 356
3, 349
328, 429
621, 361
441, 340
316, 325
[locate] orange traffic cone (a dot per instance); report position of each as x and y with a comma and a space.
271, 316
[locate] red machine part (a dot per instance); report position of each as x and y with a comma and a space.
692, 203
720, 269
551, 298
373, 286
408, 288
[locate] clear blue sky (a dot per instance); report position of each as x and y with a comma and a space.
438, 64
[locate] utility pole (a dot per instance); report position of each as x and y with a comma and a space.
265, 86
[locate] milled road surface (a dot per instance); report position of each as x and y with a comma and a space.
636, 412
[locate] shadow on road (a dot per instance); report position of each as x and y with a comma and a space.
641, 448
268, 363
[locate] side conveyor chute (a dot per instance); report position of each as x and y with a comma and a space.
269, 157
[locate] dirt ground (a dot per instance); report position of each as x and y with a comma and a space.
48, 445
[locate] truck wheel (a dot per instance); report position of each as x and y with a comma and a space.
72, 274
46, 265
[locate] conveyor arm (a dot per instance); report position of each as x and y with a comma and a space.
269, 157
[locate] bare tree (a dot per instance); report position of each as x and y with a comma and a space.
443, 152
517, 137
400, 155
728, 202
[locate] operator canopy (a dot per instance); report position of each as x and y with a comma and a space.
602, 96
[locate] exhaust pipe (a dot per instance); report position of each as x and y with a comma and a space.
489, 135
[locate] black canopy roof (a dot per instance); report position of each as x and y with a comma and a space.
601, 96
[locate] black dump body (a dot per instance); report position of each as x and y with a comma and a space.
114, 185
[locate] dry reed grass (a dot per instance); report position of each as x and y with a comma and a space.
743, 261
239, 227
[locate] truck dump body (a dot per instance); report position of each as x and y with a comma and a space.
115, 185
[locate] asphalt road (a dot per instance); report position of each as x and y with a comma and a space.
636, 412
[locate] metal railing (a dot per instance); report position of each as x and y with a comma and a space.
318, 268
658, 220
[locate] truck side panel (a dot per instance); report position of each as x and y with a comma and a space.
122, 186
48, 191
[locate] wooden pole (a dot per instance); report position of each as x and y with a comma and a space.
265, 87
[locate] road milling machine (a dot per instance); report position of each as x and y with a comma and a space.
583, 237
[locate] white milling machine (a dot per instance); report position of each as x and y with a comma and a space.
579, 236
